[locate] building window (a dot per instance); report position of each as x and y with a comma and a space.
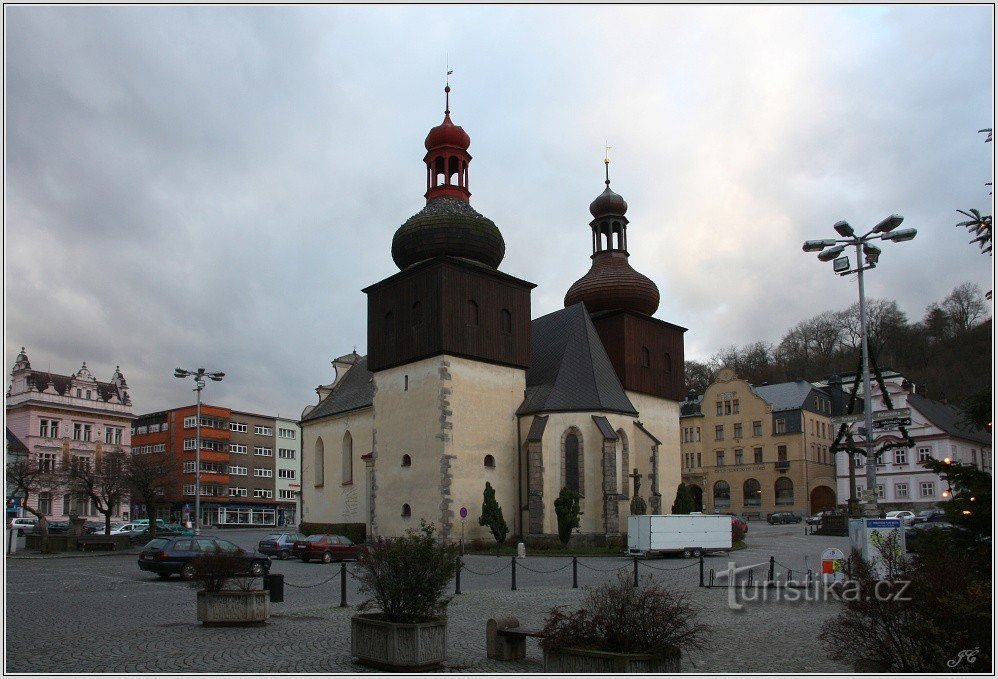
901, 491
668, 363
784, 488
720, 458
237, 470
263, 452
722, 494
738, 430
645, 357
112, 435
82, 432
505, 322
490, 462
406, 460
900, 456
757, 428
973, 456
857, 460
719, 432
263, 492
751, 493
572, 463
880, 491
188, 489
286, 474
319, 463
924, 454
720, 408
189, 467
698, 434
285, 494
190, 422
472, 312
46, 462
738, 456
48, 429
734, 407
263, 431
190, 444
286, 453
781, 425
927, 489
238, 448
286, 433
236, 426
406, 511
235, 491
757, 455
45, 503
347, 458
781, 453
263, 472
698, 459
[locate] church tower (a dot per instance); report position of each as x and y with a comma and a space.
448, 346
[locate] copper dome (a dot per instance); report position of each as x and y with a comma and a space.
608, 203
448, 226
611, 284
447, 134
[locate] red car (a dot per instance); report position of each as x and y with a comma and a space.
326, 548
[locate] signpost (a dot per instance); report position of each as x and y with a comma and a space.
832, 565
902, 415
464, 518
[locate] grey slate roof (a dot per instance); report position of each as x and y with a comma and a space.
537, 426
355, 390
604, 428
14, 444
786, 395
570, 371
947, 417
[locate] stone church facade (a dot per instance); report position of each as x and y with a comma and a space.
460, 387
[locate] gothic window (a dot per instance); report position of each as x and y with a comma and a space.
490, 462
722, 494
505, 321
668, 363
645, 357
625, 463
347, 458
406, 510
751, 493
472, 312
406, 460
320, 463
784, 491
572, 467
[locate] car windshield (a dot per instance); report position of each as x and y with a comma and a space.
315, 538
276, 537
158, 543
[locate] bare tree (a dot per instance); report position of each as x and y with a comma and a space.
808, 348
33, 476
103, 480
964, 306
149, 478
699, 376
884, 319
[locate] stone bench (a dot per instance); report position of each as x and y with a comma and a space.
506, 640
110, 542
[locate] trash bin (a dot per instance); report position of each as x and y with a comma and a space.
274, 583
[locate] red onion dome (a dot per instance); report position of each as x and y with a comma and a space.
611, 284
447, 134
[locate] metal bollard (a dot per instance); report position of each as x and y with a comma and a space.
575, 572
701, 570
635, 571
513, 562
343, 584
274, 583
772, 567
457, 577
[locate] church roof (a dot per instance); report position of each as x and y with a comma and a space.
948, 418
354, 391
570, 371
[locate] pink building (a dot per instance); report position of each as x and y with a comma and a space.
60, 417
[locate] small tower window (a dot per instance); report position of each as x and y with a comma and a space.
668, 363
389, 324
406, 386
417, 314
645, 357
406, 511
472, 312
490, 462
406, 460
505, 321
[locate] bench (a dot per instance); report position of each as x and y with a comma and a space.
506, 640
94, 541
753, 515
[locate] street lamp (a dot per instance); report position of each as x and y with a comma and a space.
198, 376
867, 256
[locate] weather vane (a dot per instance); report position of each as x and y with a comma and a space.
606, 160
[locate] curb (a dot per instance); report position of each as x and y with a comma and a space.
70, 555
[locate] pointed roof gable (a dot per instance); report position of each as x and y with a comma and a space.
354, 391
570, 370
947, 417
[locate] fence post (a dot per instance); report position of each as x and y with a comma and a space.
575, 572
457, 577
701, 569
635, 571
343, 584
772, 567
513, 562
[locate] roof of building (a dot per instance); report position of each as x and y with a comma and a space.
948, 418
14, 444
355, 390
537, 426
604, 427
570, 371
40, 381
786, 395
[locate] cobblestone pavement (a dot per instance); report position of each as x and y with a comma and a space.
102, 615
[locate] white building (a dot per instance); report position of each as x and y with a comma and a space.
288, 466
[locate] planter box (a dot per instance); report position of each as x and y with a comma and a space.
57, 543
233, 607
398, 646
582, 661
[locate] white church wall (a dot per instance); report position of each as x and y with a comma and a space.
659, 416
335, 501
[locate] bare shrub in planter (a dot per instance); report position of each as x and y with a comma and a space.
618, 618
213, 571
220, 604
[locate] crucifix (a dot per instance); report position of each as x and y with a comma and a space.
637, 481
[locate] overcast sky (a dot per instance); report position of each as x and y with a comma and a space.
213, 186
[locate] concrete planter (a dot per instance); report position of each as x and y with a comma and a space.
398, 646
233, 607
583, 661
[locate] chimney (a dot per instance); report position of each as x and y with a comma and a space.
836, 394
922, 390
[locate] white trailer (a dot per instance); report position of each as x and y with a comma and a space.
686, 534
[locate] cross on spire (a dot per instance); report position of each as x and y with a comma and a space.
606, 161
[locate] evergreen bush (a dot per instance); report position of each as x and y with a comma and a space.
492, 516
566, 508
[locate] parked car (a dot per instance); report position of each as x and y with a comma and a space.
928, 516
280, 545
94, 527
913, 535
165, 556
907, 518
741, 522
782, 517
58, 527
816, 518
24, 525
142, 535
326, 548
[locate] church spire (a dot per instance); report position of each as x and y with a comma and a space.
447, 157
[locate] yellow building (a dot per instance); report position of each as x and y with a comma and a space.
758, 449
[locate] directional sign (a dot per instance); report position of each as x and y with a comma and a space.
846, 419
892, 423
891, 414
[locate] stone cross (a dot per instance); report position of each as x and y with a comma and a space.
637, 480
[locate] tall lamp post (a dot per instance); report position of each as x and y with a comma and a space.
198, 376
867, 255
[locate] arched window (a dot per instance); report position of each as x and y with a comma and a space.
320, 463
625, 465
668, 363
572, 461
417, 314
472, 312
645, 357
347, 458
505, 321
751, 493
722, 494
490, 462
784, 491
406, 510
389, 324
406, 460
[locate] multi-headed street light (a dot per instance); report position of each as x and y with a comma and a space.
867, 256
198, 376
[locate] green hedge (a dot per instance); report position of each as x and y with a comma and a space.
357, 532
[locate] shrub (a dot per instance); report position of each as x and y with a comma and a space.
357, 532
566, 508
620, 618
406, 576
492, 516
684, 500
215, 570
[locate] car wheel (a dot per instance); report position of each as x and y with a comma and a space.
187, 572
256, 569
283, 555
327, 557
687, 553
697, 553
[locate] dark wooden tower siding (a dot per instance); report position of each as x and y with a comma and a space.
448, 306
638, 347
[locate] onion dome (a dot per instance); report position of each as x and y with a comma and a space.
448, 225
608, 203
612, 284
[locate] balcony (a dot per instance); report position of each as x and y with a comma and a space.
783, 464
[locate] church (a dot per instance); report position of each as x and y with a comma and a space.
460, 386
